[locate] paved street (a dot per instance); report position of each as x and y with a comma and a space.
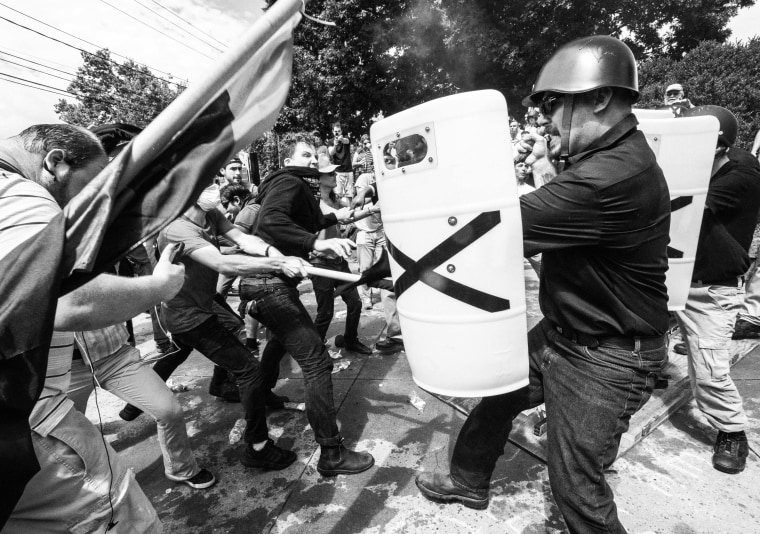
665, 484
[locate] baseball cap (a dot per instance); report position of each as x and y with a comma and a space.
324, 165
674, 87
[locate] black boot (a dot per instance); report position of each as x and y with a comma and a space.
442, 488
730, 452
339, 460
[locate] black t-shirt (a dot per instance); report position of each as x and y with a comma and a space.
729, 220
603, 228
342, 157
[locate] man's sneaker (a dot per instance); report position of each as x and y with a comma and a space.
129, 412
270, 457
227, 391
745, 330
275, 402
354, 345
680, 348
202, 480
730, 452
442, 488
390, 345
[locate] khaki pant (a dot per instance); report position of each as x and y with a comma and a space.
70, 492
706, 325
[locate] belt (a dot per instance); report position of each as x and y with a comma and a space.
627, 343
736, 281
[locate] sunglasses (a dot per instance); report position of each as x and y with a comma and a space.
546, 104
673, 93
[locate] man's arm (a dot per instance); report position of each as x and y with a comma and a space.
109, 299
756, 145
244, 265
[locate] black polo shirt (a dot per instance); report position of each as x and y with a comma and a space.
729, 220
602, 226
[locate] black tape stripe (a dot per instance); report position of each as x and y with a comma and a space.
423, 270
680, 202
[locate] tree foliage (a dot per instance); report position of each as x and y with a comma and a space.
387, 55
111, 92
726, 75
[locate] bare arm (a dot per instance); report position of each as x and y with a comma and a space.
250, 244
110, 299
244, 265
756, 144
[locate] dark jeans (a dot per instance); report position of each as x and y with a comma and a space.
324, 291
590, 395
223, 348
278, 307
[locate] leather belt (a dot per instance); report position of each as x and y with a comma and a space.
729, 282
622, 342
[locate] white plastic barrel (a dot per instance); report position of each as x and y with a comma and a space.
451, 215
685, 149
643, 114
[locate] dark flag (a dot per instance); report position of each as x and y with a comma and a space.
149, 184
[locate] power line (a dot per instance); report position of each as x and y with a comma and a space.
83, 40
191, 34
36, 63
157, 30
60, 92
36, 70
189, 23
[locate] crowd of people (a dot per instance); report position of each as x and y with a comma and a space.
596, 215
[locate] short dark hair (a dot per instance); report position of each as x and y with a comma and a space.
82, 146
289, 143
233, 160
230, 191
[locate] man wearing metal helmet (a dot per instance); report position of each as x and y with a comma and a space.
707, 322
602, 225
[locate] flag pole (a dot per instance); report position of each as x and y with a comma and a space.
191, 102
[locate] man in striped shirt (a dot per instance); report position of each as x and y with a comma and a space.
82, 486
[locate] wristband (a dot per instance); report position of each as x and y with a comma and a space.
266, 250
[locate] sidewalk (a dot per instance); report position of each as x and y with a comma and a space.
665, 484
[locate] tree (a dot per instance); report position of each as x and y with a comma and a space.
388, 55
712, 73
111, 92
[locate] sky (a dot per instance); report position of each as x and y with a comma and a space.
146, 31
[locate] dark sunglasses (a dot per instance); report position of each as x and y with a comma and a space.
673, 93
546, 104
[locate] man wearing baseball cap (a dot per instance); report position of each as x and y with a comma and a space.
602, 226
675, 99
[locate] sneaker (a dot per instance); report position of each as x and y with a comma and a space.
270, 457
202, 480
730, 452
745, 330
129, 412
354, 345
442, 488
227, 391
275, 402
390, 345
680, 348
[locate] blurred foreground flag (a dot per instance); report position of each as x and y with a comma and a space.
165, 168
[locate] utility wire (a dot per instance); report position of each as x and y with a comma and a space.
36, 70
83, 40
36, 63
36, 83
191, 34
30, 86
157, 30
189, 23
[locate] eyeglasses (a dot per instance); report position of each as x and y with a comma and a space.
546, 104
673, 93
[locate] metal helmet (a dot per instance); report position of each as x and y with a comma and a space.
729, 126
587, 64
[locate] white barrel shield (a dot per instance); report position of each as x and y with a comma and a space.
642, 114
451, 214
685, 149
